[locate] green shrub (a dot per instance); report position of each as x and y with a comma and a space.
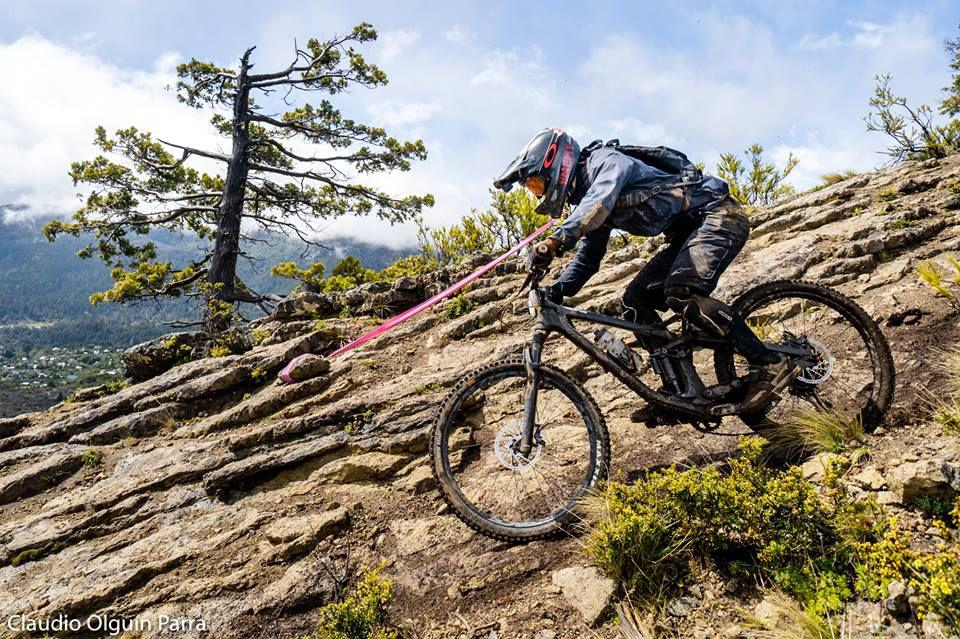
259, 336
888, 194
363, 614
934, 507
933, 574
820, 546
410, 266
310, 278
902, 223
91, 457
348, 273
25, 557
509, 218
220, 350
754, 519
459, 306
758, 182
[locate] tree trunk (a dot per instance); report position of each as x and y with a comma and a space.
223, 264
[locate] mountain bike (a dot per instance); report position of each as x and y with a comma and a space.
518, 443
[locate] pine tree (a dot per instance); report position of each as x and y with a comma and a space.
764, 184
284, 172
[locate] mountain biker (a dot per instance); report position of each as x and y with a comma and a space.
704, 227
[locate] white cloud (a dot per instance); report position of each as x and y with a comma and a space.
52, 99
392, 43
635, 131
817, 158
521, 73
457, 34
866, 35
392, 113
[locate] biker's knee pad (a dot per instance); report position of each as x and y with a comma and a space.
700, 310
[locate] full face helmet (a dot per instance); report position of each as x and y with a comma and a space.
547, 164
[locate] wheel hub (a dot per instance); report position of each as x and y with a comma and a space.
819, 372
507, 448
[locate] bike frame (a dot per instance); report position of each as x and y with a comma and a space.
555, 318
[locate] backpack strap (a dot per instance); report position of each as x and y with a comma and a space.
638, 197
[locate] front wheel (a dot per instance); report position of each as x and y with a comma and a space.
853, 376
481, 474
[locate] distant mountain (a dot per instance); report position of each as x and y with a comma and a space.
44, 286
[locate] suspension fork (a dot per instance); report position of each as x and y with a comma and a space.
531, 357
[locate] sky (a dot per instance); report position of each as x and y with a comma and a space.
476, 80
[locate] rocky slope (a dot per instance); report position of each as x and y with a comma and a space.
211, 492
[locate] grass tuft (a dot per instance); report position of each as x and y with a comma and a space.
810, 430
794, 622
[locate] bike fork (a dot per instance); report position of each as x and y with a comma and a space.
531, 356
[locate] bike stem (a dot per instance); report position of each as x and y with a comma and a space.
531, 356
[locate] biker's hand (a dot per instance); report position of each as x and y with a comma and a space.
543, 253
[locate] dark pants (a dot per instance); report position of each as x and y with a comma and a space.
683, 273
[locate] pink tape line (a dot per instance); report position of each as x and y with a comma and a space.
453, 288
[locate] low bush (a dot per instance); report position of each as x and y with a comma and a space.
458, 306
361, 615
816, 544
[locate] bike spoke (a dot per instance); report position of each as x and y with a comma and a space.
536, 488
798, 318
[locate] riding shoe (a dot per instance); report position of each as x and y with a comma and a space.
766, 382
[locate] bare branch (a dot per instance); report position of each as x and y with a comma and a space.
188, 151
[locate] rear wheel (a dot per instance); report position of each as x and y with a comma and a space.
854, 374
482, 475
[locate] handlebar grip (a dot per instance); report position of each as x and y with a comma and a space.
542, 249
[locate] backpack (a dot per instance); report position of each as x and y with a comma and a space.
659, 157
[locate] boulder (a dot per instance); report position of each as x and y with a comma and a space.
913, 479
897, 602
304, 367
586, 590
870, 478
149, 359
306, 305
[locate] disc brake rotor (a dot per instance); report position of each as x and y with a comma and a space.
507, 444
820, 372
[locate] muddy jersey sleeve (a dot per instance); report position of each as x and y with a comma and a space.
607, 177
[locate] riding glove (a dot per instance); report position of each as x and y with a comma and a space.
543, 253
